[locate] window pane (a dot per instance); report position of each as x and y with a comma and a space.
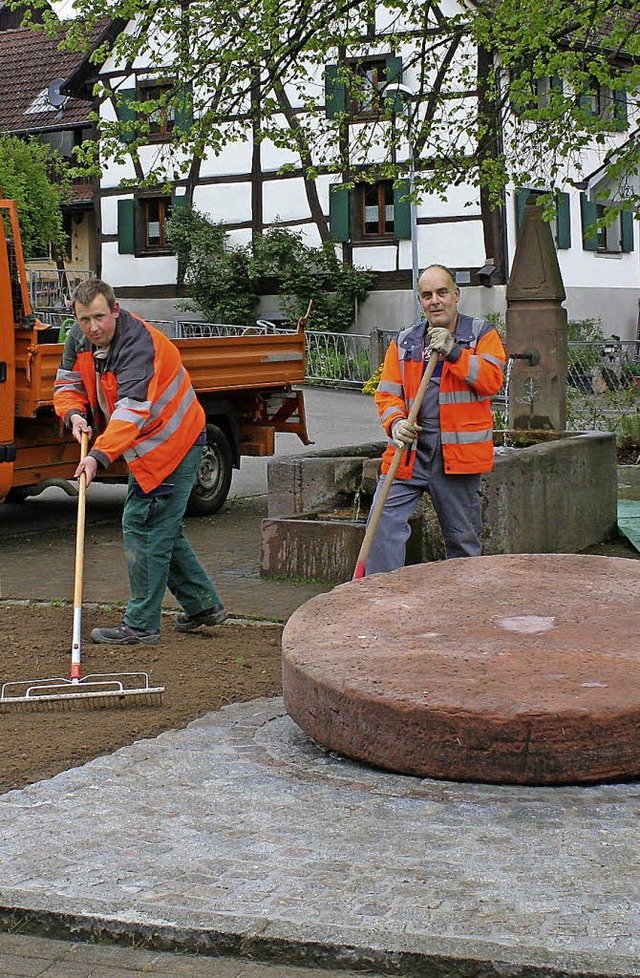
371, 211
154, 211
387, 197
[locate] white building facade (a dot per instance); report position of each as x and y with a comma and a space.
243, 186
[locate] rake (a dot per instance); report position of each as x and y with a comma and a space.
97, 691
376, 513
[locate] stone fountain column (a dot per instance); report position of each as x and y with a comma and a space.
536, 330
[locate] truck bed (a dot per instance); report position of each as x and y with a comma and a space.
217, 364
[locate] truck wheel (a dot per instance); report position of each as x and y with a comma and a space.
17, 495
213, 479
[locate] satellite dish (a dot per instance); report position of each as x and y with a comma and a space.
54, 95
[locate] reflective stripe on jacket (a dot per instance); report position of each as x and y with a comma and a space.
155, 417
467, 385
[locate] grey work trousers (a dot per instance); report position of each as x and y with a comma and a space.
457, 500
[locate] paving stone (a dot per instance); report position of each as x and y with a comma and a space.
290, 855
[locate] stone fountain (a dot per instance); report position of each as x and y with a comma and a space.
517, 667
556, 492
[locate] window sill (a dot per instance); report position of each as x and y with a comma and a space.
372, 242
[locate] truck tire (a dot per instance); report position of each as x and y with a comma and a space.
213, 479
17, 495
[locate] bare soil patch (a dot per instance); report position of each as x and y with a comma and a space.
201, 672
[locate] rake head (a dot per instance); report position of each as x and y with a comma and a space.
99, 691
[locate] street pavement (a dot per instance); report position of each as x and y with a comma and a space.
239, 848
37, 537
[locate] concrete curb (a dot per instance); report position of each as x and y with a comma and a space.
344, 949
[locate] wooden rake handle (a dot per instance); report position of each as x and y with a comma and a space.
82, 498
376, 512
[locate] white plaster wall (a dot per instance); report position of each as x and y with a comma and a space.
459, 245
381, 259
285, 200
113, 173
109, 210
458, 200
273, 157
234, 158
224, 203
617, 309
128, 270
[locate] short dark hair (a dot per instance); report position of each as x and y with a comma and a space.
86, 292
444, 268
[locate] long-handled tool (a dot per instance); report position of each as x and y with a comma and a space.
376, 512
94, 692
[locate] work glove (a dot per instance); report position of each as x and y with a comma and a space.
404, 432
440, 340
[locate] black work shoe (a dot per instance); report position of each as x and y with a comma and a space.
210, 616
123, 635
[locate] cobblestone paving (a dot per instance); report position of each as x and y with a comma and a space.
239, 835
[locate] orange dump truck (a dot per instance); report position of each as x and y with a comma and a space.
246, 385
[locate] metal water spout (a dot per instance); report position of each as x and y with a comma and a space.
531, 355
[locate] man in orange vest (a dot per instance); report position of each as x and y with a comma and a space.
125, 379
451, 444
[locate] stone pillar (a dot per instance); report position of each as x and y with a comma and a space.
536, 329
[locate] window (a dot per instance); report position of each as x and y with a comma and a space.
162, 118
154, 213
370, 212
375, 205
561, 223
174, 113
602, 102
535, 93
142, 224
617, 238
371, 77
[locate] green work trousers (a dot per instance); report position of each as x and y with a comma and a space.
158, 554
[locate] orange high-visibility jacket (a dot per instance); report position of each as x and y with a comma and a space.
155, 417
471, 375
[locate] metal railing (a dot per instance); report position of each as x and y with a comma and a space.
51, 288
603, 376
338, 358
335, 358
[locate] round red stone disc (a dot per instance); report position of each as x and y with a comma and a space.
514, 669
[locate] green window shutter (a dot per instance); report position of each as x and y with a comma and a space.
126, 228
124, 111
393, 67
620, 109
589, 214
555, 83
339, 212
181, 201
626, 226
335, 92
586, 103
522, 196
564, 221
184, 106
402, 211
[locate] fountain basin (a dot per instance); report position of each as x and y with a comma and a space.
559, 496
516, 669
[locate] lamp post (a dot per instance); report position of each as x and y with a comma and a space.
413, 220
406, 94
